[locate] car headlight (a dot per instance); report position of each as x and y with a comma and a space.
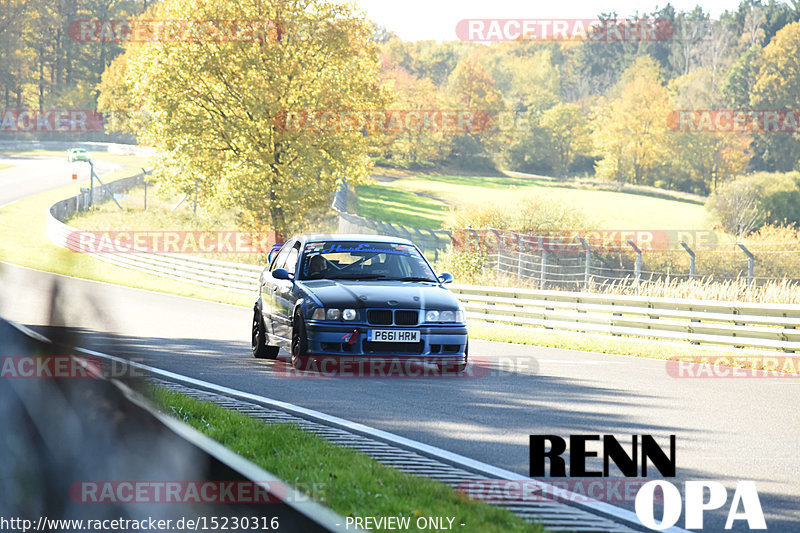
445, 316
335, 314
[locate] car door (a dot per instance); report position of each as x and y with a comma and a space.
286, 295
269, 309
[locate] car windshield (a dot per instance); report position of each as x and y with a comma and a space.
364, 261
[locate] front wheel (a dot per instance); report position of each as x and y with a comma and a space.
300, 358
261, 350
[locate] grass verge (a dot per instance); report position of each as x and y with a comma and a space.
423, 200
344, 480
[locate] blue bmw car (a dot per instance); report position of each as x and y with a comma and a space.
357, 296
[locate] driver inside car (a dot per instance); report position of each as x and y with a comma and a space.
316, 266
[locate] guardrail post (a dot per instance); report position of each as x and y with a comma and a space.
587, 277
751, 263
691, 259
638, 272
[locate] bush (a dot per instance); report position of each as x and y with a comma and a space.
750, 202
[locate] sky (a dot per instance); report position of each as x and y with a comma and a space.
414, 20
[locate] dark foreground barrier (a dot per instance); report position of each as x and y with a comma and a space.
81, 452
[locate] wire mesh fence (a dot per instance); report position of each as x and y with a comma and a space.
580, 260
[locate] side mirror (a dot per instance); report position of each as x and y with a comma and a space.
282, 273
445, 277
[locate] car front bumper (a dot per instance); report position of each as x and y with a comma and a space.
438, 343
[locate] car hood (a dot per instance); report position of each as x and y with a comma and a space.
381, 294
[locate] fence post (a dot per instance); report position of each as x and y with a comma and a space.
588, 273
638, 271
751, 263
543, 272
519, 258
499, 251
144, 180
691, 259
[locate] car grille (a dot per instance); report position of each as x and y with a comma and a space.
387, 317
379, 317
406, 318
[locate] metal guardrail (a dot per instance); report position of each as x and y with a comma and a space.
770, 327
234, 277
732, 324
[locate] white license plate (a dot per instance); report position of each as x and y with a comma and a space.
393, 335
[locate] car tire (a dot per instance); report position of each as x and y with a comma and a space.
455, 368
261, 350
300, 359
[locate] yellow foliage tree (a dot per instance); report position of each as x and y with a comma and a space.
216, 108
630, 129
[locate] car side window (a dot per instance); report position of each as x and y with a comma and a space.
291, 259
280, 259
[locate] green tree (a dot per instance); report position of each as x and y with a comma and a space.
530, 84
235, 117
703, 159
568, 135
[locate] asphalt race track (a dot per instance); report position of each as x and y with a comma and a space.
727, 429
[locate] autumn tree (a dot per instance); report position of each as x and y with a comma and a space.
630, 128
417, 143
472, 88
246, 119
778, 87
